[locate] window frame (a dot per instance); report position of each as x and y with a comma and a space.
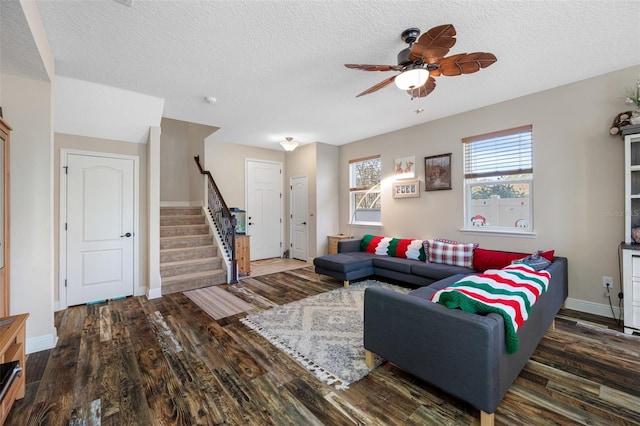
522, 175
354, 190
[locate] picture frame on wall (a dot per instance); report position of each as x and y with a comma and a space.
405, 167
437, 172
406, 189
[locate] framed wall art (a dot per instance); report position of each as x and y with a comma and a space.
406, 188
437, 172
405, 167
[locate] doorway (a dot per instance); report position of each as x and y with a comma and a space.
98, 231
299, 218
264, 208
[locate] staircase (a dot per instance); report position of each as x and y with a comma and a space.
188, 257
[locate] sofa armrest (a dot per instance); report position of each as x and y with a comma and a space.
349, 245
456, 351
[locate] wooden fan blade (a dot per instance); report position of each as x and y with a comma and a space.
434, 44
423, 90
366, 67
466, 63
378, 86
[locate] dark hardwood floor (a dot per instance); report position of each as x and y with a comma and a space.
164, 361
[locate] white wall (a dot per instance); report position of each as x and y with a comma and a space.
27, 107
578, 179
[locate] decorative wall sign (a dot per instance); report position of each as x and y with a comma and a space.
437, 172
405, 167
406, 189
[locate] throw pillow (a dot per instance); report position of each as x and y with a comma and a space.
375, 244
484, 259
395, 247
536, 261
442, 240
459, 254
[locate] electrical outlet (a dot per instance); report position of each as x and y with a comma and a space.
607, 282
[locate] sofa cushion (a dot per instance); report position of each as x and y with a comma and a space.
438, 271
344, 262
459, 254
394, 264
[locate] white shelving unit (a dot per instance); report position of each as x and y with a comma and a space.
631, 250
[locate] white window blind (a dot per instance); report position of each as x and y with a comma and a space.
507, 152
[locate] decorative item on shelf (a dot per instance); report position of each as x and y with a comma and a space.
635, 234
619, 121
633, 97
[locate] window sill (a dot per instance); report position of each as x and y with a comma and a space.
366, 224
499, 232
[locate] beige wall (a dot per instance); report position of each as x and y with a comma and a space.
180, 141
84, 143
226, 162
326, 196
298, 163
578, 178
27, 107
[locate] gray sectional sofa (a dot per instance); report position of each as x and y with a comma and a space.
462, 353
352, 264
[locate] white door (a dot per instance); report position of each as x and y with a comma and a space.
100, 228
299, 218
264, 208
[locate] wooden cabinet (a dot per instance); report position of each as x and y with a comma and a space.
5, 131
12, 341
333, 242
631, 248
243, 254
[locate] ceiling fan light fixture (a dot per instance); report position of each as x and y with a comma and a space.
289, 144
412, 78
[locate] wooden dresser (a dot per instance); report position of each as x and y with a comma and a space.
12, 341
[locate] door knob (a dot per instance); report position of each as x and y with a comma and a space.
304, 223
128, 234
250, 223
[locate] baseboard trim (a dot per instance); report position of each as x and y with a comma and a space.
41, 343
154, 293
601, 309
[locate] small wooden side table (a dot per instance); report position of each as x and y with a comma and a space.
12, 341
333, 242
243, 254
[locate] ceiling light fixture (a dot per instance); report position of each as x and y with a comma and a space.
412, 78
211, 100
289, 144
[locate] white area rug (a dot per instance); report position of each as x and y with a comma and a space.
324, 333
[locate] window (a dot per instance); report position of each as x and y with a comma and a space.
498, 177
364, 190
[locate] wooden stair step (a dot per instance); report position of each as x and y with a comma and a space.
186, 266
193, 281
176, 211
190, 252
182, 220
173, 231
183, 241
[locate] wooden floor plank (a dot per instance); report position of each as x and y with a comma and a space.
166, 361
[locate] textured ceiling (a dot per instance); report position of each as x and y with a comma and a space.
276, 67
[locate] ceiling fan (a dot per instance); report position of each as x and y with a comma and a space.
425, 59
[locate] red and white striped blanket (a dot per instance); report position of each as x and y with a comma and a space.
510, 292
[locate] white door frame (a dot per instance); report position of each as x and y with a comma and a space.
246, 192
62, 243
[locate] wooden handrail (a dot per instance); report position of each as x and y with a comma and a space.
222, 217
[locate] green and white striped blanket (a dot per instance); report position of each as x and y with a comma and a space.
510, 292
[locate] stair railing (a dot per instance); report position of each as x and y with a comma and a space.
222, 218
